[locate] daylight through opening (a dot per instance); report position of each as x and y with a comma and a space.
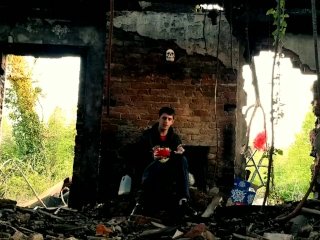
293, 119
38, 125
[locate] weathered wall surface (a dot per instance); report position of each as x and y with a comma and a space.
204, 84
193, 32
51, 38
200, 86
303, 46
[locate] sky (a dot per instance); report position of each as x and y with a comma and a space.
59, 80
295, 97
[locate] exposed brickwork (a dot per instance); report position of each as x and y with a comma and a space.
142, 81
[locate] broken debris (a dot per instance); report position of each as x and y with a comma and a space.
227, 222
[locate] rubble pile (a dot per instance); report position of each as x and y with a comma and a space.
97, 222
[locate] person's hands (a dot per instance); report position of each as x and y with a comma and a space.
180, 149
161, 154
155, 151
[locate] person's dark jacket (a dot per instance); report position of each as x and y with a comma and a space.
149, 139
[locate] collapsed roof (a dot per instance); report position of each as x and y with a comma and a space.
242, 14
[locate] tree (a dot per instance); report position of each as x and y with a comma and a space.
59, 142
21, 99
43, 151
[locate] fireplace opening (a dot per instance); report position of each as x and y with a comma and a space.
198, 164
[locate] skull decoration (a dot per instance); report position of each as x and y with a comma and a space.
170, 55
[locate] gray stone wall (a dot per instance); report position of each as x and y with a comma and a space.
54, 38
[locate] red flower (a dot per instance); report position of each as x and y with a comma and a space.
259, 142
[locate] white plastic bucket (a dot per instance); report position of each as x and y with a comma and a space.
125, 185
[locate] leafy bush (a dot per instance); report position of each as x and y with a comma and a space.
292, 171
33, 154
56, 160
291, 168
59, 145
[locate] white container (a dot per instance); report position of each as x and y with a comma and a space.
125, 185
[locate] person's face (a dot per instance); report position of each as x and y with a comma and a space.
165, 121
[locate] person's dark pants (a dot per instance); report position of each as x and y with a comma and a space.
164, 184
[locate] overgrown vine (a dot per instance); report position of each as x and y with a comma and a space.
21, 98
279, 16
34, 154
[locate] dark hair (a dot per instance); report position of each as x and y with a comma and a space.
167, 110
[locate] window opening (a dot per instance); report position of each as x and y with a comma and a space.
291, 168
55, 81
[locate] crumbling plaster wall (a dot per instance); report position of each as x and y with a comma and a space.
142, 81
303, 46
54, 38
195, 33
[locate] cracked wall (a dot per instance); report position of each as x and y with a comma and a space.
54, 38
195, 33
201, 84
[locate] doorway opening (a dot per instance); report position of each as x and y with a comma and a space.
38, 125
293, 120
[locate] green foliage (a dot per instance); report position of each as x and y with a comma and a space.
8, 147
261, 159
21, 99
15, 186
292, 170
58, 150
279, 17
42, 152
59, 142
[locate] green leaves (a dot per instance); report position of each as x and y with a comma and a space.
21, 99
279, 17
292, 170
43, 151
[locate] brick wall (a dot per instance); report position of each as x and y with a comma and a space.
202, 91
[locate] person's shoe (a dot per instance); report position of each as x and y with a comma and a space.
186, 209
